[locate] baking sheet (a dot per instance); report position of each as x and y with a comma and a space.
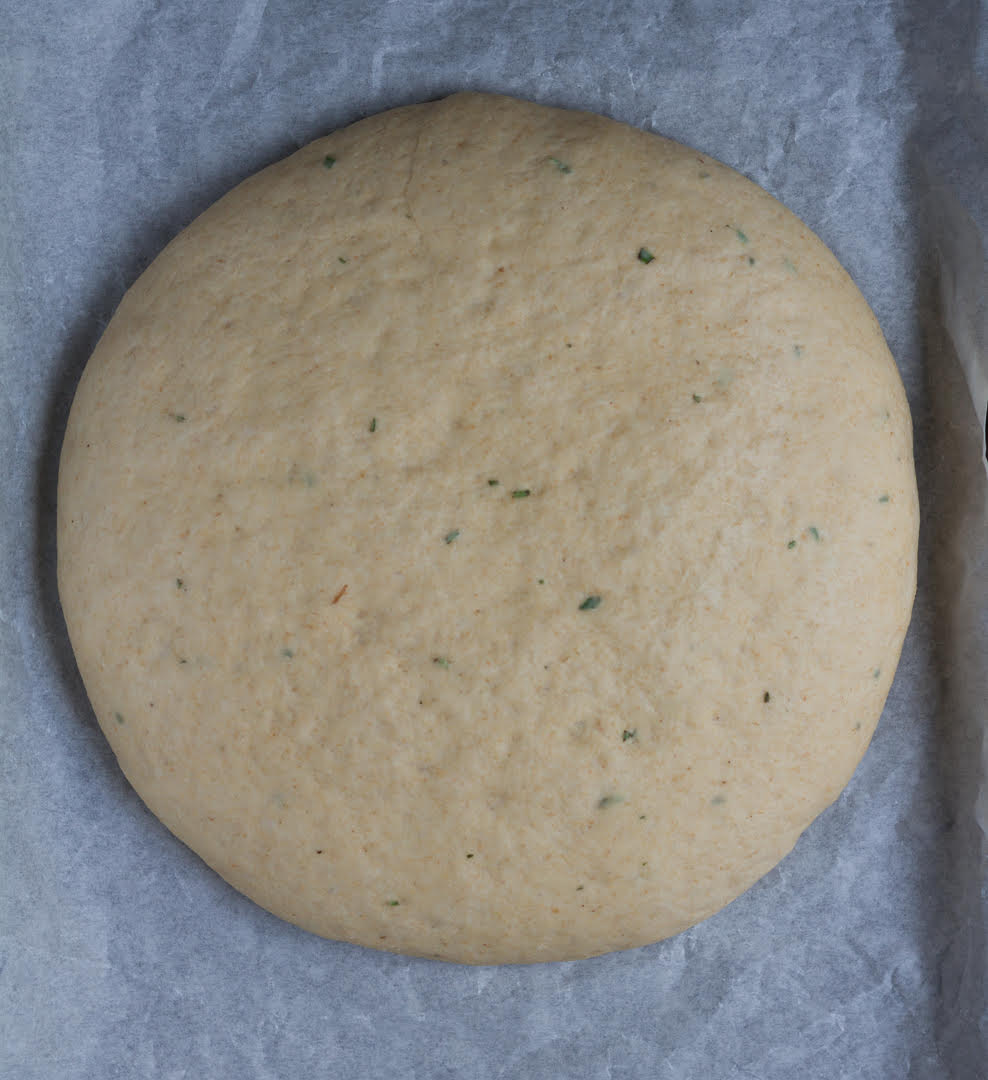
863, 954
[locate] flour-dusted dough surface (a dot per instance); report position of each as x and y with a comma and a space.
490, 533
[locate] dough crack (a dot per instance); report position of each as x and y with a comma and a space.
413, 159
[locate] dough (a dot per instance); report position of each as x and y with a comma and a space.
490, 533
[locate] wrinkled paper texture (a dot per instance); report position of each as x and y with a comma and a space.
863, 954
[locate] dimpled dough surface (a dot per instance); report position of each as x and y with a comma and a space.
490, 533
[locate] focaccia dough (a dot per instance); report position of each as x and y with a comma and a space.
490, 533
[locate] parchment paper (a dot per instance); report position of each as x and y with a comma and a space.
863, 955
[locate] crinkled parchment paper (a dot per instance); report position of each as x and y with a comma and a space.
863, 955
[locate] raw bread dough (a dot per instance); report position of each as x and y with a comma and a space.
490, 533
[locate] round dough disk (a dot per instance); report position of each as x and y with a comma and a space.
490, 533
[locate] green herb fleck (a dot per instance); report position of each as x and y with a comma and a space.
883, 498
451, 536
791, 544
645, 256
341, 259
767, 697
328, 161
372, 426
609, 800
641, 817
814, 532
718, 800
521, 493
442, 661
789, 265
561, 165
751, 260
590, 603
697, 398
876, 673
493, 483
626, 734
541, 580
182, 660
393, 903
857, 726
579, 888
287, 653
704, 175
119, 719
741, 235
797, 350
179, 583
178, 417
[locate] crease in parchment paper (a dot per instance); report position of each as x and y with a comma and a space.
964, 295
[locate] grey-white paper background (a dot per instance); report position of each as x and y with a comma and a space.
863, 955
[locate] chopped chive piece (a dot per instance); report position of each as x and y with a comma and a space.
442, 661
814, 532
751, 260
626, 735
288, 653
767, 697
469, 854
645, 256
797, 350
451, 536
328, 161
791, 544
609, 800
372, 426
521, 493
590, 603
561, 165
341, 259
119, 719
741, 235
697, 398
179, 583
883, 498
178, 417
541, 580
876, 673
718, 800
493, 483
393, 903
